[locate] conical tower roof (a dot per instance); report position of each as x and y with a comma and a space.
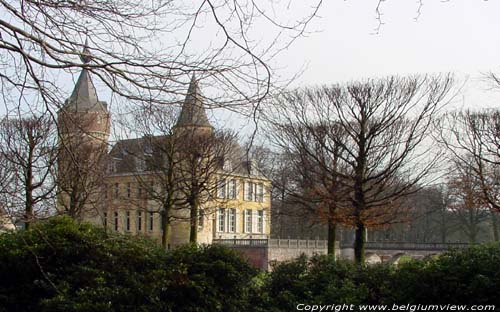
84, 95
193, 113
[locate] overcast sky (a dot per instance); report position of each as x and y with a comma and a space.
459, 36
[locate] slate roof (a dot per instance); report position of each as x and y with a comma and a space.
84, 95
193, 113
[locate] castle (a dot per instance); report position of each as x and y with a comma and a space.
126, 188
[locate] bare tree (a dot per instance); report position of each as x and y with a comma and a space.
466, 199
313, 182
142, 50
382, 153
157, 149
473, 141
203, 153
28, 151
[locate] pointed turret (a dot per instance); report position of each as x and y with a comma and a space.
84, 95
193, 113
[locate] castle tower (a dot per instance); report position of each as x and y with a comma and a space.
193, 115
84, 127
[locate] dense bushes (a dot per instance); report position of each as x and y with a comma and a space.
470, 277
59, 265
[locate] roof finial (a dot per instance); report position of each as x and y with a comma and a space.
85, 56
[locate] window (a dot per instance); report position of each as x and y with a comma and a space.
221, 188
116, 221
127, 221
105, 221
139, 221
249, 191
139, 192
128, 190
105, 191
117, 190
248, 220
260, 221
140, 164
231, 189
221, 218
260, 192
151, 220
232, 220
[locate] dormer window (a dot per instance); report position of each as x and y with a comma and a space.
140, 164
148, 149
227, 165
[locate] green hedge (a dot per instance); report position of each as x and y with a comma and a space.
60, 265
469, 277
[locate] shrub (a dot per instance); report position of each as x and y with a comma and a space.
60, 265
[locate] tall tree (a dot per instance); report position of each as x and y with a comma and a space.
203, 154
466, 200
28, 151
381, 156
473, 141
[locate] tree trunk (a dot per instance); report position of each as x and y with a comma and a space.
193, 233
332, 228
165, 238
359, 244
494, 224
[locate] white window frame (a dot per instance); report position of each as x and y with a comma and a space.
232, 191
260, 221
221, 188
151, 221
260, 192
117, 220
221, 220
139, 221
249, 191
232, 220
127, 221
248, 221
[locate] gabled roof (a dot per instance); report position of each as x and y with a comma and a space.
193, 113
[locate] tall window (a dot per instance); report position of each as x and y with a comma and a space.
129, 190
260, 192
221, 188
116, 221
105, 191
151, 220
231, 189
139, 221
117, 190
248, 221
221, 218
260, 221
127, 221
105, 221
249, 191
232, 220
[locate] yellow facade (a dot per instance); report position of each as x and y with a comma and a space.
226, 216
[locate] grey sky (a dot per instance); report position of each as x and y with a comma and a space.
459, 36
